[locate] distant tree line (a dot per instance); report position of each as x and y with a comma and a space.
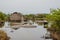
36, 16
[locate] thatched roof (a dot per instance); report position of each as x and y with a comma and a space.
16, 13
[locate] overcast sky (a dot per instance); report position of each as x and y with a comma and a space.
28, 6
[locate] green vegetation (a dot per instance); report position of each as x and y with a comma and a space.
3, 18
34, 17
30, 16
54, 18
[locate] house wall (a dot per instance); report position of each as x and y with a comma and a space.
16, 17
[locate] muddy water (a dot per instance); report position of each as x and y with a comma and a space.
26, 33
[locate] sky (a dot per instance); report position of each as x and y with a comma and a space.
28, 6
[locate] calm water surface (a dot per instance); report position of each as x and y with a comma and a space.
26, 33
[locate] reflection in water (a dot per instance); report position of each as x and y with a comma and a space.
26, 33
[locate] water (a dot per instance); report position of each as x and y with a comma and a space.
25, 33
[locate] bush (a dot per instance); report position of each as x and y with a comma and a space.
54, 18
3, 35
